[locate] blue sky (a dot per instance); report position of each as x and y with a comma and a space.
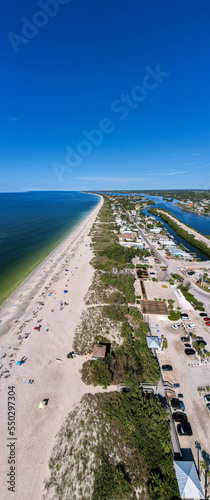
128, 77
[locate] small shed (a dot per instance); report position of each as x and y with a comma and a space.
153, 342
188, 480
99, 351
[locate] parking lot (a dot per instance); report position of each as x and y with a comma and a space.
190, 378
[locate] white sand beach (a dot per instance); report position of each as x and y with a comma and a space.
59, 380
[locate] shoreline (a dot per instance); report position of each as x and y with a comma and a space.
20, 290
45, 256
55, 377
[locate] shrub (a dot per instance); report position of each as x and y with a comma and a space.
165, 343
174, 315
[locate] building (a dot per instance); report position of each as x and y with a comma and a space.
153, 342
188, 480
177, 252
156, 230
129, 244
166, 242
127, 236
99, 352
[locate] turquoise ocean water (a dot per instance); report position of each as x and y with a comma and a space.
31, 225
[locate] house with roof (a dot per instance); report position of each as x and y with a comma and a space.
99, 352
153, 342
188, 480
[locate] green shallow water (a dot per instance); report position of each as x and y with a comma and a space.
31, 226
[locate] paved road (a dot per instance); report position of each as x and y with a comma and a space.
202, 296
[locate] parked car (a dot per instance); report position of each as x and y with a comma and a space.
206, 318
208, 406
203, 315
207, 398
151, 273
184, 429
180, 395
178, 416
177, 404
188, 346
167, 368
185, 339
199, 338
189, 351
177, 268
192, 326
208, 323
182, 406
175, 327
186, 318
176, 386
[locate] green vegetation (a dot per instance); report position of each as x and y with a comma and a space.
131, 363
143, 423
120, 445
124, 283
180, 231
188, 296
174, 315
165, 343
111, 481
177, 277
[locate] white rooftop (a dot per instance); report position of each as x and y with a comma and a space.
153, 342
188, 481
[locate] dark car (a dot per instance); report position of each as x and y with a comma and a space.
199, 342
180, 395
187, 346
185, 339
203, 315
178, 416
177, 405
184, 429
184, 315
189, 351
167, 368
